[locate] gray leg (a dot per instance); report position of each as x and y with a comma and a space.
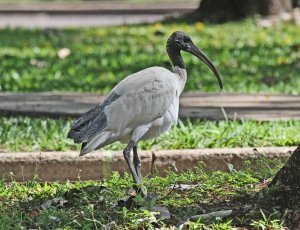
137, 163
126, 153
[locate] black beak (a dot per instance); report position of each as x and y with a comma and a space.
202, 56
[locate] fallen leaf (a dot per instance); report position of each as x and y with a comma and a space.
58, 202
183, 187
54, 218
212, 215
34, 213
163, 211
63, 53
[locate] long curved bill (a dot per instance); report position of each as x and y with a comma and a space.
202, 56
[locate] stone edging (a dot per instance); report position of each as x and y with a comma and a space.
61, 166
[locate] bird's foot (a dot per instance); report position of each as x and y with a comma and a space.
127, 202
134, 197
141, 190
138, 189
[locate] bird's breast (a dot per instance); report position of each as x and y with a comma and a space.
164, 123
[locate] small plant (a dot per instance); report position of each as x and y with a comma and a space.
267, 223
227, 225
142, 219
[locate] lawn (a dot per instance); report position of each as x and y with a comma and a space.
249, 58
41, 134
92, 204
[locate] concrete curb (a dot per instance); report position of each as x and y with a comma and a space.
62, 166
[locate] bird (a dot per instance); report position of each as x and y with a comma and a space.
142, 106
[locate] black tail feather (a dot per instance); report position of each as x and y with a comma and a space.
83, 145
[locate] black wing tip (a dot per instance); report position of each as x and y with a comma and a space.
72, 134
83, 145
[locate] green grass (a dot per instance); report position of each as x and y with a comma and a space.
35, 134
249, 58
91, 204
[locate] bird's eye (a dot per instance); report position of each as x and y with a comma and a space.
186, 40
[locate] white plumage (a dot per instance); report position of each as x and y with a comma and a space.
144, 112
142, 106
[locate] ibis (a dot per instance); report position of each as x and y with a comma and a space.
141, 106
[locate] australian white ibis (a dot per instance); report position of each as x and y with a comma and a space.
141, 106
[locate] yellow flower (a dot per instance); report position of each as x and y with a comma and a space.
282, 60
287, 40
199, 25
157, 26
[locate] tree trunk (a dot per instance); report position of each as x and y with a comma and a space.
285, 188
218, 11
289, 174
296, 3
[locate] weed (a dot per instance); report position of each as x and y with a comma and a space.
267, 222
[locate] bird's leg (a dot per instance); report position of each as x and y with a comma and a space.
126, 153
132, 167
137, 166
137, 163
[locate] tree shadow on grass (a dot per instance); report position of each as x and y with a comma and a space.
185, 195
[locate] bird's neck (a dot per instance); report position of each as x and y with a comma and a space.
175, 56
182, 77
178, 64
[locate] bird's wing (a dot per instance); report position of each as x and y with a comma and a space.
138, 99
92, 122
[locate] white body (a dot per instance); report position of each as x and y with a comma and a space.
147, 106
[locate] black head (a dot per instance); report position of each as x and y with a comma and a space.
181, 41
